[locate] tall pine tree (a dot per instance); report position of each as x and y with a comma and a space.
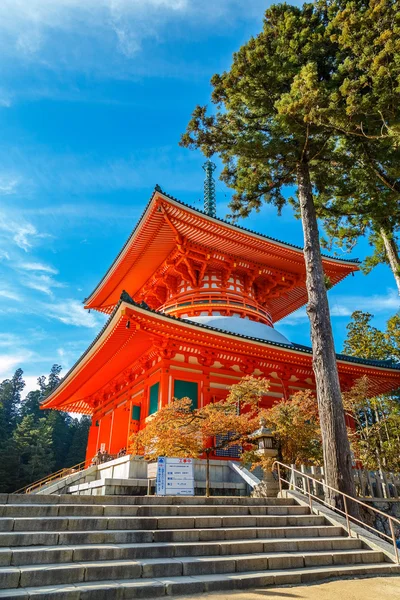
269, 135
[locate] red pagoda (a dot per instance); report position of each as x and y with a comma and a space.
192, 303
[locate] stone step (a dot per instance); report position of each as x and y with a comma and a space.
54, 538
120, 523
92, 510
57, 554
171, 586
62, 573
142, 500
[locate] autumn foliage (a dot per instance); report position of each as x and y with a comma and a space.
294, 423
177, 430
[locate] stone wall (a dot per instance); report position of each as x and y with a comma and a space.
379, 521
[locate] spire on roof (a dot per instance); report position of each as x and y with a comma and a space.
210, 204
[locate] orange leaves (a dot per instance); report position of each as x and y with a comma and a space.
170, 432
176, 430
295, 424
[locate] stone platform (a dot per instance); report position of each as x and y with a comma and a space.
127, 475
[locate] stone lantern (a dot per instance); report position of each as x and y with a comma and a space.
266, 447
265, 440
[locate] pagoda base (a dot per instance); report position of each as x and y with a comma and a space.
127, 476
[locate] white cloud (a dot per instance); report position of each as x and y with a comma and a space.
28, 25
295, 318
344, 306
44, 172
71, 312
8, 339
70, 34
8, 183
42, 283
37, 266
24, 234
9, 295
338, 310
11, 361
5, 99
31, 384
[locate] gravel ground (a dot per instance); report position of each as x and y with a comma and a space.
376, 588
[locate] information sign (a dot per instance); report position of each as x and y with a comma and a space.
160, 479
175, 477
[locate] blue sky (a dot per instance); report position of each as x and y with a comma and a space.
93, 98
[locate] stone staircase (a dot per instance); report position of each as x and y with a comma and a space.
112, 548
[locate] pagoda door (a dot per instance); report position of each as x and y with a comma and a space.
120, 426
104, 437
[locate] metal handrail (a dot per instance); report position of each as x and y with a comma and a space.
345, 497
27, 489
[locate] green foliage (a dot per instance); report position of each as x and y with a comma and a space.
34, 443
366, 341
375, 440
266, 119
10, 400
365, 111
319, 84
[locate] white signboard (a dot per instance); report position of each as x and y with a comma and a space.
175, 477
152, 470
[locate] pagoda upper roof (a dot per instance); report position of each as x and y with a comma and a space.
166, 221
116, 348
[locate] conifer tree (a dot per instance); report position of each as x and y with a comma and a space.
267, 129
364, 340
363, 107
33, 441
376, 438
10, 401
364, 205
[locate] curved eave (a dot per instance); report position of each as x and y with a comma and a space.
116, 348
153, 240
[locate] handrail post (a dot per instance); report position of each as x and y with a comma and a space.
309, 493
396, 550
347, 516
279, 479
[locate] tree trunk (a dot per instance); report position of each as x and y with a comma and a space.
335, 442
207, 474
392, 254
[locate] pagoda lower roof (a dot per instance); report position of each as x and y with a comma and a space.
117, 347
166, 220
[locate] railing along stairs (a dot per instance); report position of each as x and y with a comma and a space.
309, 489
38, 485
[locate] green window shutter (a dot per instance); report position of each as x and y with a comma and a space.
136, 412
186, 389
153, 408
